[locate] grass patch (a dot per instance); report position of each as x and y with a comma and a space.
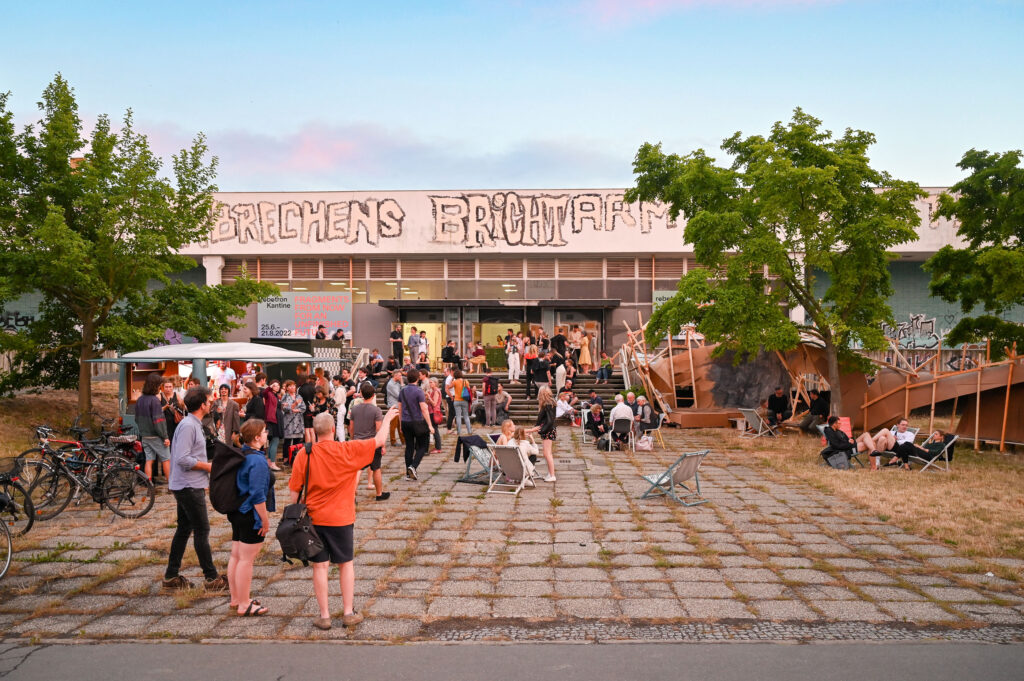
977, 507
556, 502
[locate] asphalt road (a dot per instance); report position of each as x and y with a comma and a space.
492, 662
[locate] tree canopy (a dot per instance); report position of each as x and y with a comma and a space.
94, 228
989, 271
796, 211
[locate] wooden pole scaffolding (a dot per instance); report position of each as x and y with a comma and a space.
693, 375
672, 372
977, 408
1012, 352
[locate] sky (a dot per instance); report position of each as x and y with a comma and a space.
311, 95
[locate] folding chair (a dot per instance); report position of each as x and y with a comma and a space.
656, 432
481, 457
755, 422
854, 455
622, 426
910, 429
584, 433
943, 456
512, 467
685, 467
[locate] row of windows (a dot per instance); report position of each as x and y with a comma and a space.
503, 268
369, 291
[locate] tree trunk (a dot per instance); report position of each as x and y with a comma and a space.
85, 371
832, 357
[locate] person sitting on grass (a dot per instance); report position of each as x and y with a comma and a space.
837, 440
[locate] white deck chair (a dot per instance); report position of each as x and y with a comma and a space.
755, 423
686, 467
941, 460
584, 433
511, 472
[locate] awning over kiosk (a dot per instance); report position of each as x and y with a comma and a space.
187, 352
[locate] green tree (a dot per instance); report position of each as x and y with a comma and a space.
793, 208
989, 271
93, 227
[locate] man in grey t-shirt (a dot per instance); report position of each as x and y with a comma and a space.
364, 422
189, 480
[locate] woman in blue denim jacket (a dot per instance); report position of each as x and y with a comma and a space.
251, 522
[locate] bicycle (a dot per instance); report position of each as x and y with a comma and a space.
17, 514
6, 544
125, 444
121, 487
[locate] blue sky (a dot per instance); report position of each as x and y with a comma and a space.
414, 95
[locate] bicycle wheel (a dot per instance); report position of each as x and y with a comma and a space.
127, 492
29, 462
6, 549
18, 515
50, 494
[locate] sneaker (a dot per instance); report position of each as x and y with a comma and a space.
178, 583
549, 478
218, 583
275, 467
412, 472
352, 619
384, 497
322, 623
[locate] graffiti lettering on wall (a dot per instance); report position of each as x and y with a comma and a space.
918, 332
14, 320
470, 220
481, 220
267, 222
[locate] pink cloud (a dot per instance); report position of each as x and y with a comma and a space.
319, 156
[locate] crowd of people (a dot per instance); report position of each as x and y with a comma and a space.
331, 429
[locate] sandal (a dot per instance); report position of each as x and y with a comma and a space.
250, 612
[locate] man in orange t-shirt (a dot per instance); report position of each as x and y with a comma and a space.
331, 503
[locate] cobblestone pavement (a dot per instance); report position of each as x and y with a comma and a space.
582, 558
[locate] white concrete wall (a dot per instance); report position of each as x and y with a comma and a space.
549, 221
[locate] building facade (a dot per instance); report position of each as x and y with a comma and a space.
468, 265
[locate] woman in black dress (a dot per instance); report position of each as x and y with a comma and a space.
545, 427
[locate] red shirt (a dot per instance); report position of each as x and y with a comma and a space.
331, 498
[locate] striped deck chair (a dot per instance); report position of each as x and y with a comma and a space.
685, 468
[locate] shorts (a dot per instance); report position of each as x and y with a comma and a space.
242, 528
374, 465
155, 449
338, 545
550, 435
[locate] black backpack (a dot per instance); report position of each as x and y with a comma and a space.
224, 467
295, 532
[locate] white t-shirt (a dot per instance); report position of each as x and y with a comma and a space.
228, 375
905, 436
